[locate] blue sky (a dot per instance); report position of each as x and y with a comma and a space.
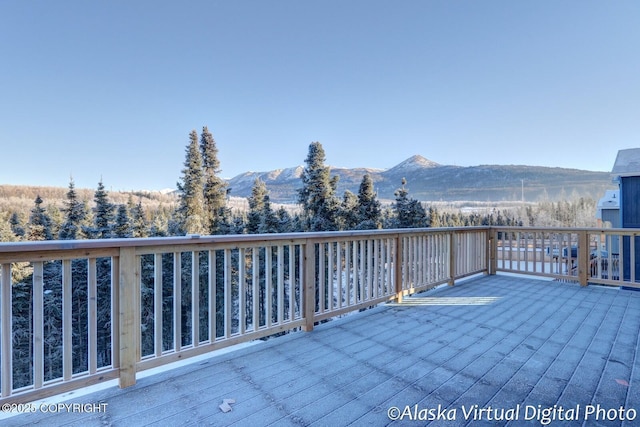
111, 89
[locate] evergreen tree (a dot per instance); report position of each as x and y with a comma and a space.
349, 217
191, 212
269, 222
6, 234
16, 226
256, 206
159, 224
434, 217
215, 188
409, 212
39, 226
75, 216
104, 214
369, 210
122, 226
286, 224
138, 221
320, 206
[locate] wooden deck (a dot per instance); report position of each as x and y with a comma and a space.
513, 346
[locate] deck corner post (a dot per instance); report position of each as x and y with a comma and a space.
492, 248
129, 316
452, 259
309, 287
583, 257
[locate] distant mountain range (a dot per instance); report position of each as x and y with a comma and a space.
430, 181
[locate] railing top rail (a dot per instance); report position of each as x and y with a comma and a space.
57, 245
590, 230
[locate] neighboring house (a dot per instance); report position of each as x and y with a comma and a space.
626, 172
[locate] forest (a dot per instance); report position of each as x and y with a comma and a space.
202, 206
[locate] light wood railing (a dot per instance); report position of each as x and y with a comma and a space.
76, 313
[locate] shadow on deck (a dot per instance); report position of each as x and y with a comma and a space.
512, 346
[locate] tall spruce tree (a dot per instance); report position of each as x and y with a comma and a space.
138, 221
349, 217
320, 206
369, 210
104, 214
215, 188
39, 226
256, 206
75, 216
269, 222
191, 213
16, 226
409, 212
122, 227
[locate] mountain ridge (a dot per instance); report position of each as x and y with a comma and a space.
428, 180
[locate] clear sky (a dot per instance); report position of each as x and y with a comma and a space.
111, 89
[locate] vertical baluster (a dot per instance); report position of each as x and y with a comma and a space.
115, 311
301, 276
242, 293
280, 284
38, 324
5, 327
292, 283
354, 272
376, 269
321, 277
339, 273
331, 282
195, 298
228, 300
255, 282
361, 271
157, 304
67, 331
213, 309
268, 286
177, 301
92, 326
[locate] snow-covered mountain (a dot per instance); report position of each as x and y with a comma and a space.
428, 180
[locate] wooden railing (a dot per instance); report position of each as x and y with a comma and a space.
75, 313
599, 256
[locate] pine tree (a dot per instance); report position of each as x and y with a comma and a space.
39, 226
369, 210
138, 221
16, 226
75, 216
286, 224
269, 222
104, 214
409, 212
349, 217
215, 188
191, 212
320, 206
6, 234
256, 206
122, 227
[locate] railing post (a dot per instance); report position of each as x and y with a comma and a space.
309, 287
583, 257
397, 268
452, 259
492, 249
129, 316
